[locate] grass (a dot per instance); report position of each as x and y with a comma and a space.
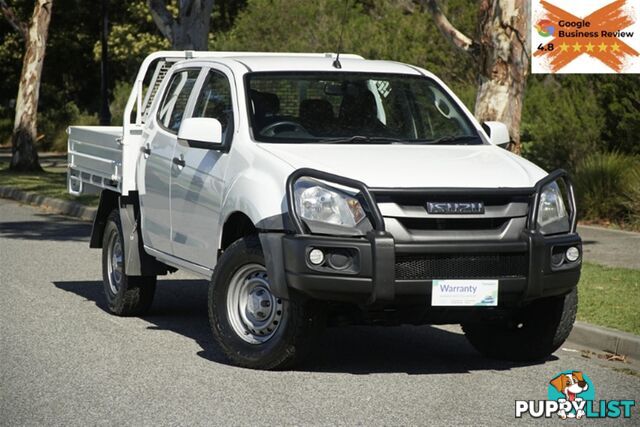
52, 183
610, 297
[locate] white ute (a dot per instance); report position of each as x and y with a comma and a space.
314, 191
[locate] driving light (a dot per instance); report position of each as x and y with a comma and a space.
316, 257
572, 254
552, 214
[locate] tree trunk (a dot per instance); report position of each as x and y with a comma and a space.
503, 63
502, 51
23, 149
190, 30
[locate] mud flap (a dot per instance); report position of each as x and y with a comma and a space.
137, 261
274, 260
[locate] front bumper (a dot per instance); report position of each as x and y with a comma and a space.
380, 270
377, 261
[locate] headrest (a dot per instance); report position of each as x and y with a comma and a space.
359, 106
265, 103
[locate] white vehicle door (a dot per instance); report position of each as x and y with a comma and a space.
197, 186
158, 155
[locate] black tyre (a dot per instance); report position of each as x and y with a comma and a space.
533, 333
254, 328
126, 295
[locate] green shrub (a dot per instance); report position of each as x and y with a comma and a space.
53, 124
608, 187
120, 97
561, 121
6, 128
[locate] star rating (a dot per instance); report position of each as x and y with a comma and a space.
602, 47
615, 47
564, 47
576, 47
589, 47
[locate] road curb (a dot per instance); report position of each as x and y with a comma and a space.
606, 339
64, 207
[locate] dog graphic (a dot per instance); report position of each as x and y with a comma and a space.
570, 385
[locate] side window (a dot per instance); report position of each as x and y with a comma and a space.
214, 101
175, 99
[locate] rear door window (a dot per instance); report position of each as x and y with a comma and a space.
174, 103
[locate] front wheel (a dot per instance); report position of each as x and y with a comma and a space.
126, 295
255, 328
533, 333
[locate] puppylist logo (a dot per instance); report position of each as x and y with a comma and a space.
571, 394
586, 36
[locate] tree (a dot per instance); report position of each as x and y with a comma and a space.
501, 51
374, 29
620, 100
190, 29
24, 154
562, 120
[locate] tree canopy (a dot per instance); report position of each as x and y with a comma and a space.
564, 118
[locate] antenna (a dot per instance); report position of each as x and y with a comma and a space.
336, 63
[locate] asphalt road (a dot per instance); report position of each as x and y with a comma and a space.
65, 361
615, 248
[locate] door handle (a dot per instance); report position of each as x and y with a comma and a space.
179, 162
146, 151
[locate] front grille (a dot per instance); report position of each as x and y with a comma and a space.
453, 223
460, 266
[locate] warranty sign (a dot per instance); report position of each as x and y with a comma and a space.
585, 36
461, 293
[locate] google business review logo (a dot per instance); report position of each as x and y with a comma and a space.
545, 28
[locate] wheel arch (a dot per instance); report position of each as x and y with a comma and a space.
236, 225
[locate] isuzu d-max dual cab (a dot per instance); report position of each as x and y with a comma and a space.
313, 191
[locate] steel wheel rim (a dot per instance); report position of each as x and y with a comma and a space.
115, 262
255, 314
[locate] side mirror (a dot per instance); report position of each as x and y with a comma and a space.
202, 132
498, 133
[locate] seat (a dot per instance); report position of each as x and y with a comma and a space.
359, 112
316, 115
265, 106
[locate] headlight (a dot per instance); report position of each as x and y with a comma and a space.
328, 210
552, 214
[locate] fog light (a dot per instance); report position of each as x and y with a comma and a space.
340, 260
557, 259
316, 257
572, 254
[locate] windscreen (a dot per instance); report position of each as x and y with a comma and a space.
356, 108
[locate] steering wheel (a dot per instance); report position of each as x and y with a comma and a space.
272, 129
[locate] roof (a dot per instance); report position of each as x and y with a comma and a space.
319, 63
282, 61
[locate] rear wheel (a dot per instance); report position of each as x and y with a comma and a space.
255, 328
126, 295
533, 333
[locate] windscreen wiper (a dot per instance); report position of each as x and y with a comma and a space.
358, 139
452, 139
